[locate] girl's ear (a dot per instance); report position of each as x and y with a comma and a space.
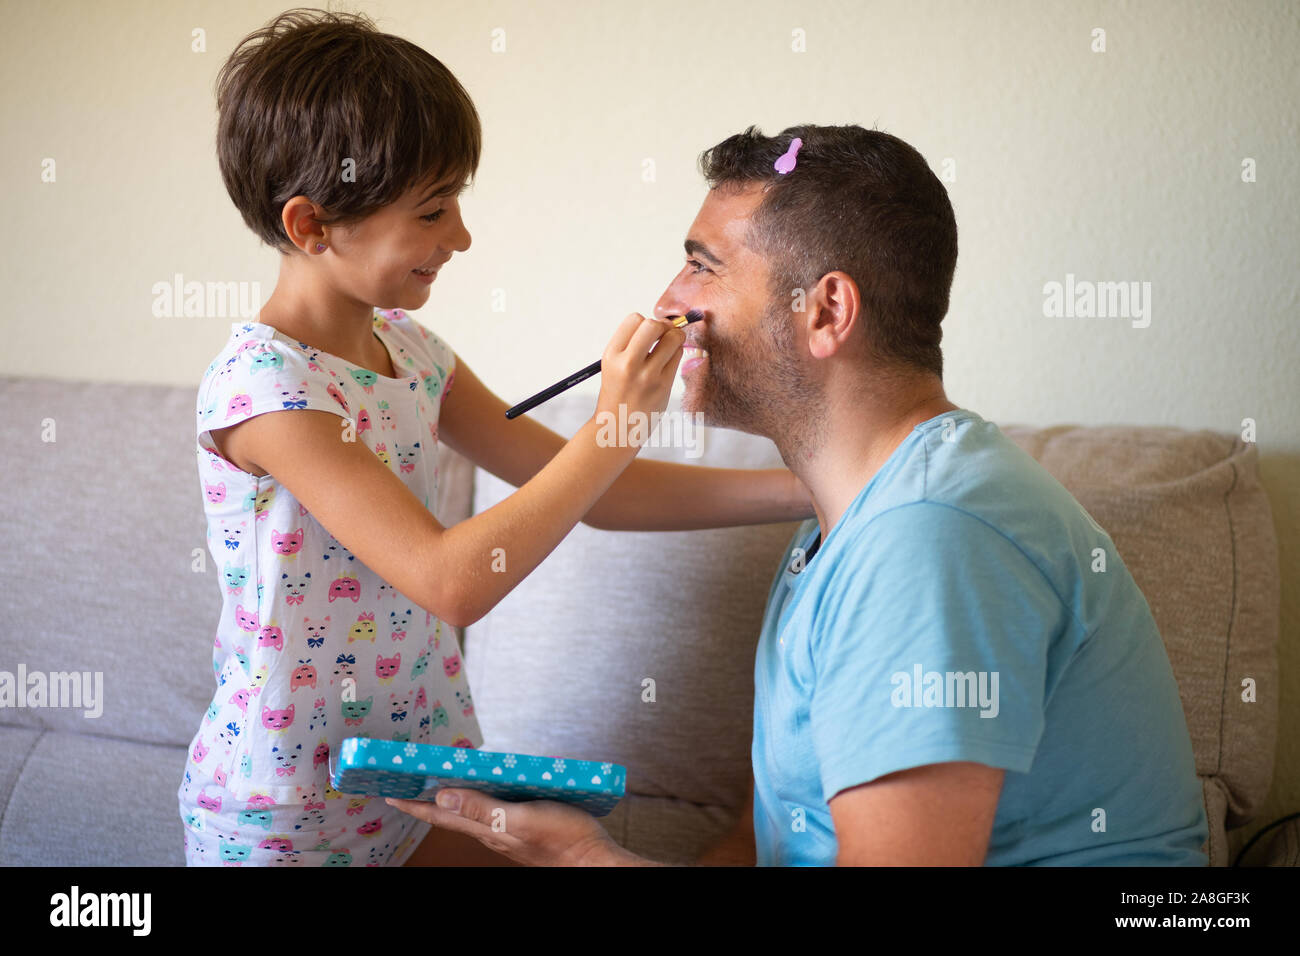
302, 227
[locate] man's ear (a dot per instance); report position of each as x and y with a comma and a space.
833, 311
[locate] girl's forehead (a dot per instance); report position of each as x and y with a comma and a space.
448, 183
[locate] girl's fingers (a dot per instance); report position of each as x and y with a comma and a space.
623, 334
647, 334
669, 349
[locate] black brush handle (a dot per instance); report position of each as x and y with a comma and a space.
694, 315
549, 393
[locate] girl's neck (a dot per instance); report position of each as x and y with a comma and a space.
323, 319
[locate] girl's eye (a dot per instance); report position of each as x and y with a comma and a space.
433, 216
698, 268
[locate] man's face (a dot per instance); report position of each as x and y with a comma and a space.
753, 376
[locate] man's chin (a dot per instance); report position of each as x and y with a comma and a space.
697, 402
694, 402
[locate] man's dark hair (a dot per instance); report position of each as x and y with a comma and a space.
860, 202
312, 89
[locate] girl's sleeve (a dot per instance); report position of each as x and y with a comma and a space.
441, 356
264, 375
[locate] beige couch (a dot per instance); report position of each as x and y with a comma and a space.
103, 526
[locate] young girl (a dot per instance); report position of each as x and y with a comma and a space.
318, 431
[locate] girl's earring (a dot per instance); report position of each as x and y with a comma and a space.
320, 247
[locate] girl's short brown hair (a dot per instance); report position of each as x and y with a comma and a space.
311, 90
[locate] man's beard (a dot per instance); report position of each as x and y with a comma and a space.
757, 385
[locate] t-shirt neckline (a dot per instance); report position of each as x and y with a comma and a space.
388, 347
815, 535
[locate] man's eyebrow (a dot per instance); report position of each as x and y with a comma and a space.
697, 248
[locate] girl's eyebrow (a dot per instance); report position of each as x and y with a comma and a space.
452, 190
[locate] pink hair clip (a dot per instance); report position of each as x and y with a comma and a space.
786, 161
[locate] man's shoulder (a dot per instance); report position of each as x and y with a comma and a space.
973, 508
974, 464
964, 473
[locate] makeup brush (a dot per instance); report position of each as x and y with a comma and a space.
680, 321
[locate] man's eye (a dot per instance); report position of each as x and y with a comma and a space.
697, 267
433, 216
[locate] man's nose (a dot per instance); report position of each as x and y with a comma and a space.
670, 305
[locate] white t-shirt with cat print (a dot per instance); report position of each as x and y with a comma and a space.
312, 646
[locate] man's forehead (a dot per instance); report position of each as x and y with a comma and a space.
723, 219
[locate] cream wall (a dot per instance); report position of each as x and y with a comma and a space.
1116, 165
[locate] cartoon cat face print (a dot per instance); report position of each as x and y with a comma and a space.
287, 543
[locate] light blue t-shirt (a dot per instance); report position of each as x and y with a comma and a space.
959, 611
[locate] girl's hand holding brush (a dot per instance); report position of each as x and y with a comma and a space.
638, 367
546, 394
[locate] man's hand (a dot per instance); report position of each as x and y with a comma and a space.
535, 833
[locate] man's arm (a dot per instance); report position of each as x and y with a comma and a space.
737, 847
937, 815
647, 495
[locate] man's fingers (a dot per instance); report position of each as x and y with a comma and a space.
447, 819
474, 818
535, 833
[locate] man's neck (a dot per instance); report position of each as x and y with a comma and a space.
857, 441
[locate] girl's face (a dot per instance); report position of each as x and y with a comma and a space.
379, 260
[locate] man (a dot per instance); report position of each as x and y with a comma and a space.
955, 665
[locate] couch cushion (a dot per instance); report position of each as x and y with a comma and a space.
90, 801
16, 745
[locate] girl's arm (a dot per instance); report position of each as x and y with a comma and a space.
461, 572
664, 496
647, 496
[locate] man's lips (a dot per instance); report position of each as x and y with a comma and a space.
692, 355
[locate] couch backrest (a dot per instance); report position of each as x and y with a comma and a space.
109, 569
